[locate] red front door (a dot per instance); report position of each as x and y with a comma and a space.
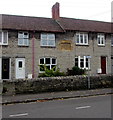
103, 65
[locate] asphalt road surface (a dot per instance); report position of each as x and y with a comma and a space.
89, 107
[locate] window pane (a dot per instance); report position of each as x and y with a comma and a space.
112, 40
26, 42
44, 36
5, 40
42, 68
48, 67
87, 63
53, 61
77, 38
81, 38
76, 62
42, 61
102, 41
99, 40
0, 37
25, 35
44, 42
51, 42
47, 61
82, 63
53, 67
51, 36
20, 41
85, 39
20, 35
20, 64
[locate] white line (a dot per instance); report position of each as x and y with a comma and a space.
83, 107
16, 115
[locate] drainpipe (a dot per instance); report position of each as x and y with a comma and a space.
33, 56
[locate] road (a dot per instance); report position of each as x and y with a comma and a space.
89, 107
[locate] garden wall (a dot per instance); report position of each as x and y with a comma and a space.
51, 84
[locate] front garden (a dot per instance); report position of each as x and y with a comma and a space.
54, 72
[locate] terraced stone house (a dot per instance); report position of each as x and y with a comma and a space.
27, 42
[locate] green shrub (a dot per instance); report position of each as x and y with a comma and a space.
4, 90
76, 71
51, 73
58, 73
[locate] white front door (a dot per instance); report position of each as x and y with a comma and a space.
20, 68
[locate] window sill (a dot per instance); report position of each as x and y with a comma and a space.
41, 72
23, 45
86, 68
82, 44
48, 46
101, 45
3, 44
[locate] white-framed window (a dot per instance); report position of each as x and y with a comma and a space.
3, 38
112, 40
49, 62
81, 38
82, 62
23, 38
101, 39
47, 40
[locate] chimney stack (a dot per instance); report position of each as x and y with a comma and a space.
55, 11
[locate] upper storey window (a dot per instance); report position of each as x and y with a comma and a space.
101, 39
23, 38
112, 40
48, 40
81, 38
4, 38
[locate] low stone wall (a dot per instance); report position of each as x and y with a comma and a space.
51, 84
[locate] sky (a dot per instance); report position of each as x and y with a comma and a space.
99, 10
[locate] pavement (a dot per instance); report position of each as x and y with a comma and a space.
41, 97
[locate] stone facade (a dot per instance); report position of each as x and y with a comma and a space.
112, 59
65, 51
74, 42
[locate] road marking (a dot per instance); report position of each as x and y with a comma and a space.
16, 115
83, 107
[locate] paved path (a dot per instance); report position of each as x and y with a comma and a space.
54, 95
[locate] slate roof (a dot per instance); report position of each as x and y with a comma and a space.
85, 25
50, 25
30, 23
